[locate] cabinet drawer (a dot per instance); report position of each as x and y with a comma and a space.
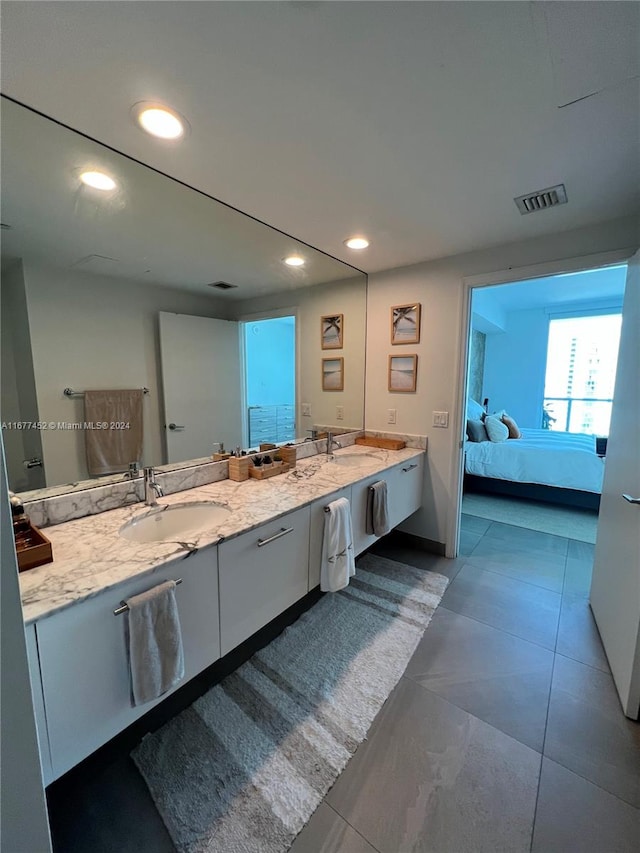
38, 703
405, 489
316, 535
359, 494
84, 662
261, 574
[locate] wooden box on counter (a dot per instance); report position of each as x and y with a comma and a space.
37, 554
382, 443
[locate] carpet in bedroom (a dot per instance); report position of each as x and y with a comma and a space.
580, 524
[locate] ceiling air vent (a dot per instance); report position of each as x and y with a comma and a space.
222, 285
542, 199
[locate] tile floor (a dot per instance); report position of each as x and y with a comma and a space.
504, 734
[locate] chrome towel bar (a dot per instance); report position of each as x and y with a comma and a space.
69, 392
124, 606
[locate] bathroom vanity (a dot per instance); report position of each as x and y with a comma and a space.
263, 557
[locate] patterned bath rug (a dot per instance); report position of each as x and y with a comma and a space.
243, 769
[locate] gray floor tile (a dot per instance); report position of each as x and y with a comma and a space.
499, 678
522, 609
468, 542
578, 636
419, 558
529, 539
588, 733
575, 816
577, 577
474, 524
327, 832
545, 570
433, 778
582, 551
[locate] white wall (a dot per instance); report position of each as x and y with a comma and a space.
23, 813
515, 363
439, 286
92, 331
347, 297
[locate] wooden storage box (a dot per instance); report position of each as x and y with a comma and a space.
264, 473
382, 443
289, 455
239, 468
37, 554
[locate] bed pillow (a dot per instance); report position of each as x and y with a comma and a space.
496, 430
476, 431
512, 426
475, 412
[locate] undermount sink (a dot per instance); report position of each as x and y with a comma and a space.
352, 460
174, 523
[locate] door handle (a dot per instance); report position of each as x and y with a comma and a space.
410, 468
174, 427
33, 463
283, 532
631, 499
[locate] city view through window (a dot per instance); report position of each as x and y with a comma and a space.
582, 355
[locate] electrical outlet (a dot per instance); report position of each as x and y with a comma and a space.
391, 416
339, 413
441, 419
306, 410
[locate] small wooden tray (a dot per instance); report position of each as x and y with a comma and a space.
382, 443
37, 554
264, 473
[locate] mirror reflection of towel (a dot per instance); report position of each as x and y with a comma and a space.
377, 521
110, 450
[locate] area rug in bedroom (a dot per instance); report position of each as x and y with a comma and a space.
578, 524
243, 769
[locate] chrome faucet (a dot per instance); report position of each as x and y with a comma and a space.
152, 490
331, 441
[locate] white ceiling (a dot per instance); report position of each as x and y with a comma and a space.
414, 122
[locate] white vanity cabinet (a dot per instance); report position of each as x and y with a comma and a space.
359, 494
404, 489
38, 703
84, 664
261, 574
317, 532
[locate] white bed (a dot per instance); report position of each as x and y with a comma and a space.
563, 460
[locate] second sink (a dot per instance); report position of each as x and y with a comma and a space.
352, 460
174, 523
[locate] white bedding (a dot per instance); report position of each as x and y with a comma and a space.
563, 459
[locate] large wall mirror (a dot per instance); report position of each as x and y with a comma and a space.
112, 289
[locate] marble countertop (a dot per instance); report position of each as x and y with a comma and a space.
90, 557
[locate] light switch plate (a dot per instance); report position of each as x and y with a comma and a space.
306, 410
340, 413
391, 416
441, 419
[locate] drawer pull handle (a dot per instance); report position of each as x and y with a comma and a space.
124, 607
410, 467
283, 532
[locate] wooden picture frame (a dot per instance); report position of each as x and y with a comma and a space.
403, 373
332, 331
333, 374
405, 324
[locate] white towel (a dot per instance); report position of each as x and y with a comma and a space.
156, 657
338, 559
377, 521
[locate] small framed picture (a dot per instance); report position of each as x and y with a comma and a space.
333, 374
405, 324
332, 326
403, 372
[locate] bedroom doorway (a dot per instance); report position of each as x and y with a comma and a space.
541, 363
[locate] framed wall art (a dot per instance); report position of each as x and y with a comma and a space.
331, 331
333, 374
403, 373
405, 324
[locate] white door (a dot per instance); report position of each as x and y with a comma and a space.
615, 589
202, 380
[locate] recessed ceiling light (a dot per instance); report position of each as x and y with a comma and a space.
294, 261
159, 121
98, 180
356, 243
